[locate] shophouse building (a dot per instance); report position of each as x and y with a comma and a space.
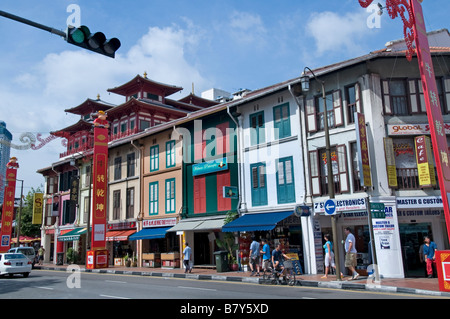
386, 89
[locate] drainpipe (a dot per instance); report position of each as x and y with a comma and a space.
240, 182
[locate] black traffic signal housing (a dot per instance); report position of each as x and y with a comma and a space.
96, 42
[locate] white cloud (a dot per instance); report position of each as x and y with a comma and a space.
334, 33
247, 28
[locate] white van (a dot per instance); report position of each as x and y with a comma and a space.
27, 251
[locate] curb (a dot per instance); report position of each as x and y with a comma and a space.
302, 283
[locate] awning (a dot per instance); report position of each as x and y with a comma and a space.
198, 225
256, 222
72, 235
150, 233
119, 235
185, 226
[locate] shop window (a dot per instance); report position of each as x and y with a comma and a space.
395, 97
154, 158
153, 195
257, 133
69, 212
170, 154
281, 119
130, 203
131, 165
116, 205
117, 168
353, 95
223, 179
170, 196
199, 194
259, 186
285, 180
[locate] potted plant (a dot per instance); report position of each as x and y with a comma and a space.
127, 261
72, 256
134, 261
229, 242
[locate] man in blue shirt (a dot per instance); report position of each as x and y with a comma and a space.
187, 252
429, 255
254, 256
265, 254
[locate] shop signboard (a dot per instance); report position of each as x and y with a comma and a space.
8, 210
363, 150
214, 166
343, 205
390, 162
443, 269
38, 204
162, 222
230, 192
425, 167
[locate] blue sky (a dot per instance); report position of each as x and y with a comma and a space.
223, 44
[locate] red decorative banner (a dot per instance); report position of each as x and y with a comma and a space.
433, 106
8, 210
100, 183
443, 269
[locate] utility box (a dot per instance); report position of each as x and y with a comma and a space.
221, 258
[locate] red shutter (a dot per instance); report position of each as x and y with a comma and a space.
223, 179
199, 195
199, 145
222, 139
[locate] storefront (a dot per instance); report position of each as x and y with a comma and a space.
118, 243
159, 247
285, 228
73, 243
419, 217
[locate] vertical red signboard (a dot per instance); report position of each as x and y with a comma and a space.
8, 210
435, 119
100, 182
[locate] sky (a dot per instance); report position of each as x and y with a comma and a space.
229, 45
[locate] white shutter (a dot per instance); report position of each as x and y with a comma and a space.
311, 115
315, 172
358, 98
386, 97
337, 106
342, 166
413, 96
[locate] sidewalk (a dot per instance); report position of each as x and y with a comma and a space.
421, 286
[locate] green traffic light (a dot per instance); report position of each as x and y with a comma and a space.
76, 35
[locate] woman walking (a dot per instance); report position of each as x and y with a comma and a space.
329, 255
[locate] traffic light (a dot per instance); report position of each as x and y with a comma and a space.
96, 42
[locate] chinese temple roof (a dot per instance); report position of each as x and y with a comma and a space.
139, 83
90, 106
81, 125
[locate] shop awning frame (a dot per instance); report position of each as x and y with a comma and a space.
189, 225
119, 235
73, 235
150, 233
256, 222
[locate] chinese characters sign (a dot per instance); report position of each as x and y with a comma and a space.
8, 210
363, 150
435, 119
100, 183
425, 167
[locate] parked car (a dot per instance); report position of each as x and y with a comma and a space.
12, 263
27, 251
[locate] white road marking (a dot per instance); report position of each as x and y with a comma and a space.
116, 281
197, 288
114, 297
48, 288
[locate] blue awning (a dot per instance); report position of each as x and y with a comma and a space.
150, 233
256, 222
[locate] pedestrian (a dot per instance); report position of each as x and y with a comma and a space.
265, 255
350, 253
254, 257
422, 261
41, 252
329, 255
429, 255
187, 252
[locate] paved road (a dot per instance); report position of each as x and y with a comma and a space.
42, 284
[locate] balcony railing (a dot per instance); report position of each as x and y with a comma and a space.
408, 178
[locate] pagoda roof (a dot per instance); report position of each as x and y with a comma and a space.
138, 83
90, 106
134, 105
81, 125
198, 101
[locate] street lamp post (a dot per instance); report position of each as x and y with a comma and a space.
305, 87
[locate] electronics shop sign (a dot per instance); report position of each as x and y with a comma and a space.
419, 202
343, 205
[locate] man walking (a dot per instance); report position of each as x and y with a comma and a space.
254, 256
429, 255
187, 252
350, 253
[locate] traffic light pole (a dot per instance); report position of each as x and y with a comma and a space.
32, 23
